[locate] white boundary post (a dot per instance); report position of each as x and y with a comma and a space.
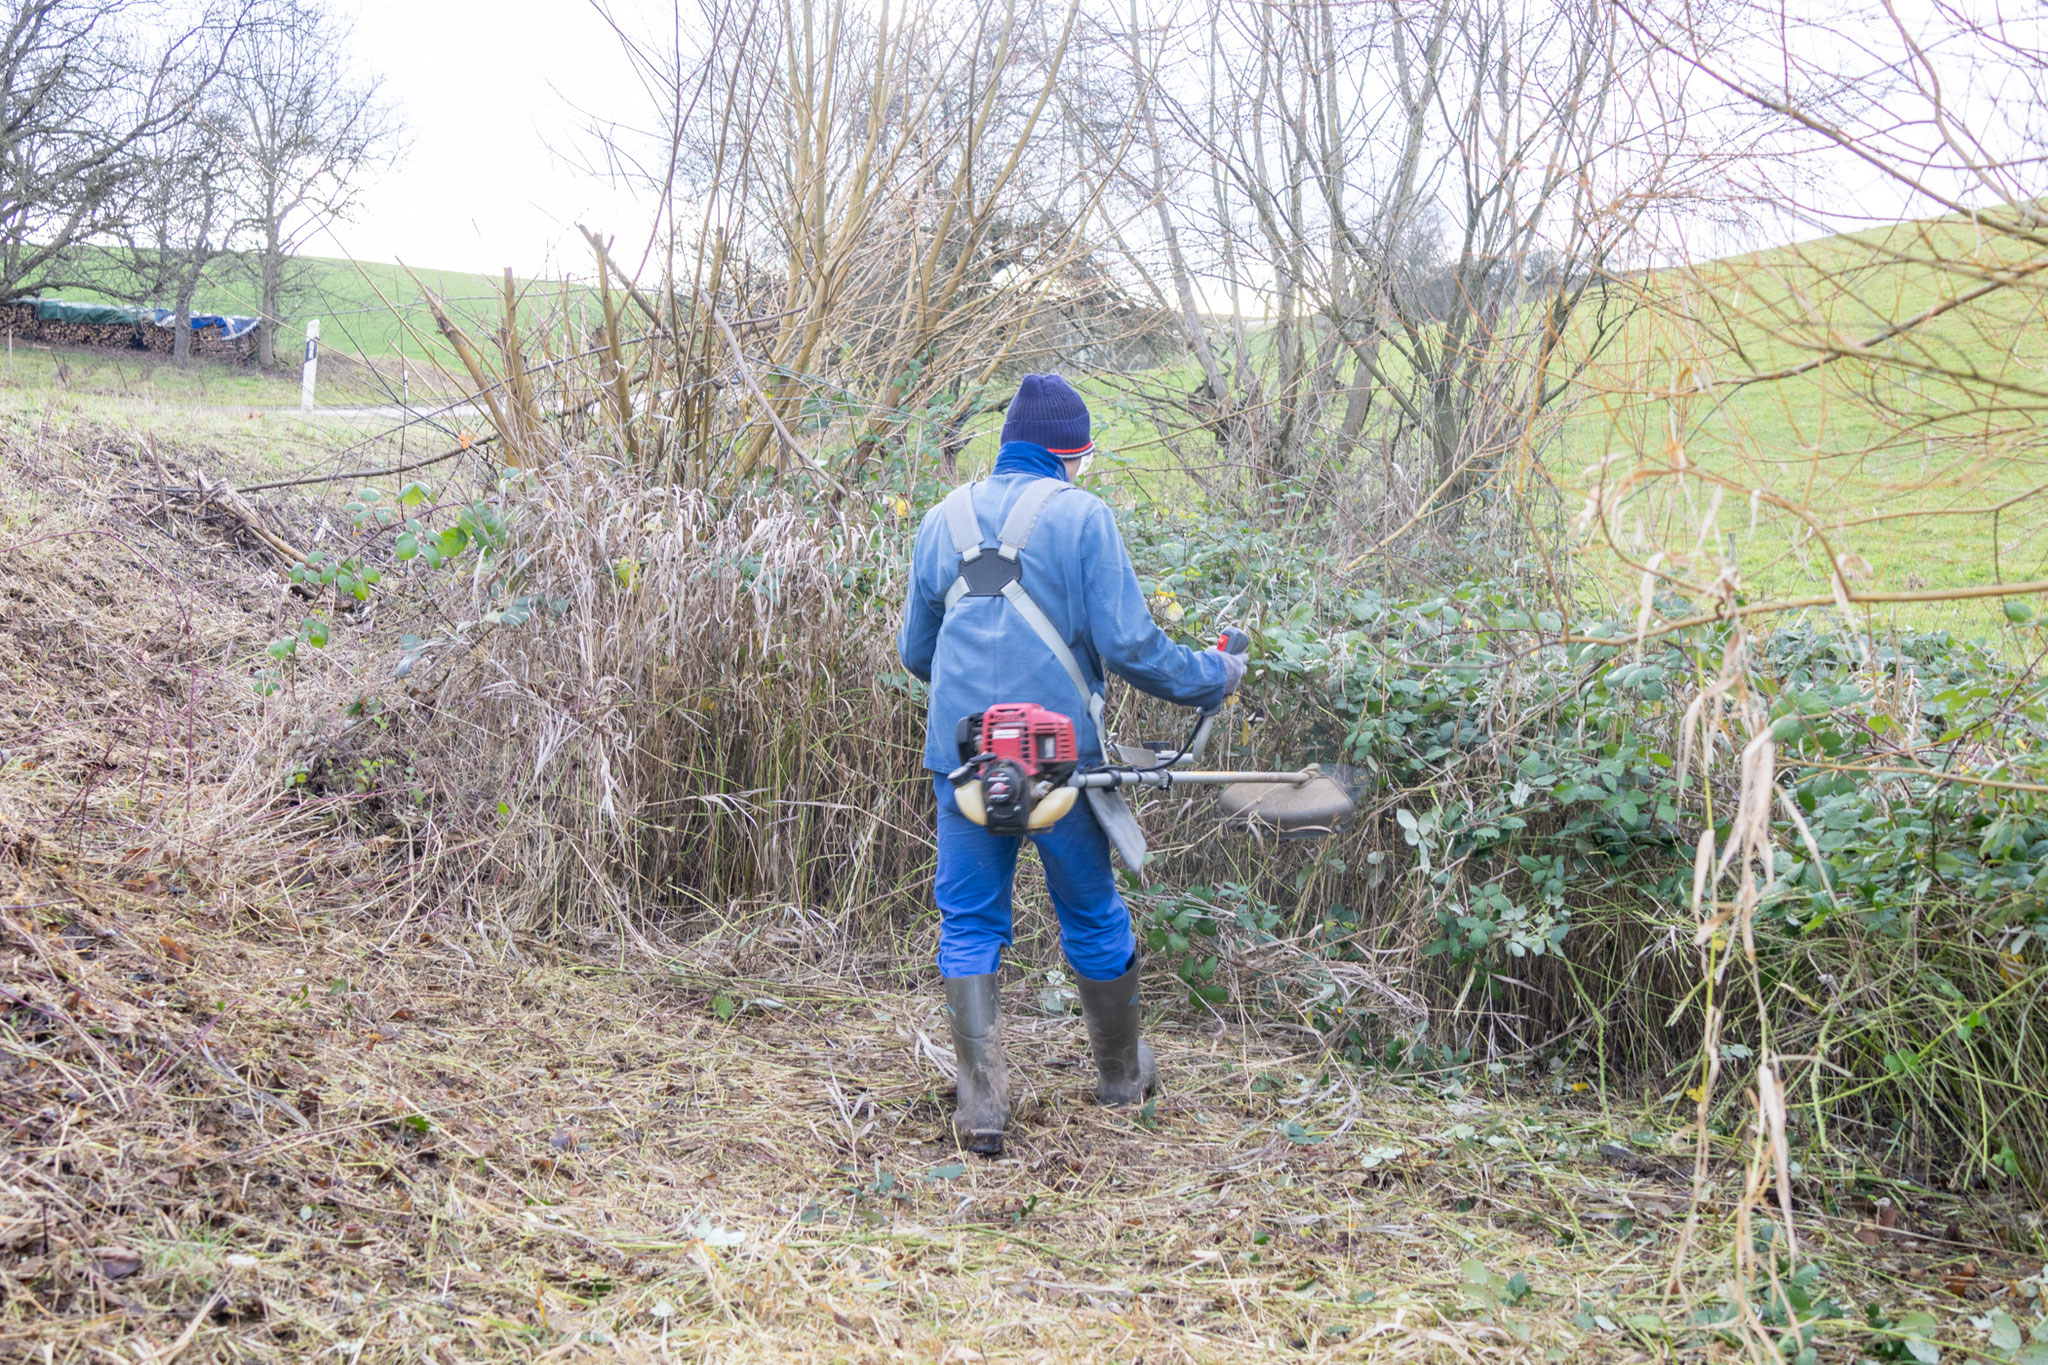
312, 366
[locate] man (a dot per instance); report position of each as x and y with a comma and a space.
979, 646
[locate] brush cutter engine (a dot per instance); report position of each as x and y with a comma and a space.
1015, 760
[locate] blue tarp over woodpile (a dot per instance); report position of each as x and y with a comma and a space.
114, 315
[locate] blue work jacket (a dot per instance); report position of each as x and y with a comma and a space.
1077, 570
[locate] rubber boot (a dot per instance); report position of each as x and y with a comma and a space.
1125, 1071
983, 1078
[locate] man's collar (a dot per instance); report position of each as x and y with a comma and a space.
1028, 457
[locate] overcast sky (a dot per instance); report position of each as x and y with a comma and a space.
486, 88
497, 94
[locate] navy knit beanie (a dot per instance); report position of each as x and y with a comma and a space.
1048, 412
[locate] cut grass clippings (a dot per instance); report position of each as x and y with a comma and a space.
304, 1130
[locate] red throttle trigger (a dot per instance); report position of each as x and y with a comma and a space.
1233, 641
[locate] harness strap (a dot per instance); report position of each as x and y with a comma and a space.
1024, 515
961, 521
1042, 626
965, 526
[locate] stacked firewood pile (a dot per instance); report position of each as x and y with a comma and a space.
210, 342
19, 319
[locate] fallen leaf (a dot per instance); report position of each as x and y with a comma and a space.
354, 1236
176, 951
1869, 1235
1960, 1280
401, 1013
116, 1262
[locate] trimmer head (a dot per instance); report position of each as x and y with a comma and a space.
1315, 808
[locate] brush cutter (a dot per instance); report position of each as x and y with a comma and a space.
1018, 773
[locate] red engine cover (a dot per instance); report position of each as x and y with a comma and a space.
1029, 735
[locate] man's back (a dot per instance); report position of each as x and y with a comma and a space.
1075, 568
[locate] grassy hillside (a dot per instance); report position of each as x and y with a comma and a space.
1893, 455
370, 309
1894, 459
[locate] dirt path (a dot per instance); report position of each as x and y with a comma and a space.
342, 1138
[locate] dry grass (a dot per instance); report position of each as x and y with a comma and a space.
329, 1132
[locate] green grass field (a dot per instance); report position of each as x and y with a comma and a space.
1892, 456
369, 309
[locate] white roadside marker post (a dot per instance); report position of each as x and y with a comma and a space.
312, 366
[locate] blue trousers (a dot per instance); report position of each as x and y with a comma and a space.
976, 869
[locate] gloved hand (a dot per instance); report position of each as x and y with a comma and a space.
1234, 666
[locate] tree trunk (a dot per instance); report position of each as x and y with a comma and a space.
181, 327
1194, 329
270, 273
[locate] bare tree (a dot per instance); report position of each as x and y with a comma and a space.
186, 216
310, 132
886, 193
86, 88
1379, 225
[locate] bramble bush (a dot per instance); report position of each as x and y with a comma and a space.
1547, 835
